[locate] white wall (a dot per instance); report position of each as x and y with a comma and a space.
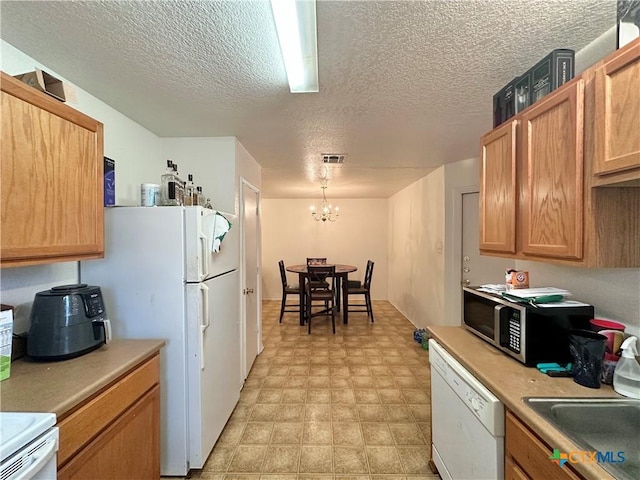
246, 168
211, 160
614, 292
290, 234
596, 50
416, 250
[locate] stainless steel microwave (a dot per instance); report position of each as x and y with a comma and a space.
528, 333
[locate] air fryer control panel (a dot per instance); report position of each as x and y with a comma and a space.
93, 304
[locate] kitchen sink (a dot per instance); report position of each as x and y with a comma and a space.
605, 425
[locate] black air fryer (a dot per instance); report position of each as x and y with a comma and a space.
66, 322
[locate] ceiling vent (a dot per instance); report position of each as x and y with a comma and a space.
333, 157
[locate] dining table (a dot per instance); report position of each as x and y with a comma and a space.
342, 273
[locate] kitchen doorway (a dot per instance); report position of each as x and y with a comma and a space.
251, 305
465, 244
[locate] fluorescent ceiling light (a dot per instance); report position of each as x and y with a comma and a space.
296, 25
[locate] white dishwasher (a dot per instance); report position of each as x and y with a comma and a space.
467, 422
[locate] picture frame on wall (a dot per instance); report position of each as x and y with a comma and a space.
628, 16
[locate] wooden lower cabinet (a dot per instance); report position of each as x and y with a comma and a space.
116, 434
512, 471
527, 457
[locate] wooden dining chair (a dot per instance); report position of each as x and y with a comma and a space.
287, 290
316, 260
318, 274
355, 288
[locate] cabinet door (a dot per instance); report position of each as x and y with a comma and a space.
128, 449
552, 175
530, 454
512, 471
498, 202
52, 179
617, 112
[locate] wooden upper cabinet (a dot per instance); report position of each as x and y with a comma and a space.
52, 180
568, 210
552, 175
617, 112
498, 202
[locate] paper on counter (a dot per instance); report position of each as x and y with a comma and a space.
563, 303
526, 293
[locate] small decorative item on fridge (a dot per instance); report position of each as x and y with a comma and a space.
189, 191
172, 188
109, 182
148, 193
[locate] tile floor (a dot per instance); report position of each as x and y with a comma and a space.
354, 405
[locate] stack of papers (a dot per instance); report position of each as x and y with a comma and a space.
526, 293
496, 288
543, 297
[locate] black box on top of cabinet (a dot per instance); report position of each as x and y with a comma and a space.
504, 104
552, 71
522, 92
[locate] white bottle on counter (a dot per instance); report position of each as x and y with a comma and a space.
626, 377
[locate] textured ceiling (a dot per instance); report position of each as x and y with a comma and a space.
405, 86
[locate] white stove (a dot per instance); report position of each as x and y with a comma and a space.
28, 446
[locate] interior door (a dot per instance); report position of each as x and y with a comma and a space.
477, 269
251, 323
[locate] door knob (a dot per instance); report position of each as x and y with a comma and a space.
466, 269
466, 282
467, 258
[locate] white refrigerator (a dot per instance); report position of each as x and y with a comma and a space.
161, 279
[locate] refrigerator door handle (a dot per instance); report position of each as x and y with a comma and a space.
204, 259
204, 320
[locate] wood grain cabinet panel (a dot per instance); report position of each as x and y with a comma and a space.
512, 471
530, 455
127, 450
116, 433
552, 166
617, 115
52, 179
498, 202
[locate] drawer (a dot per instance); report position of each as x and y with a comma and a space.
512, 471
531, 454
93, 416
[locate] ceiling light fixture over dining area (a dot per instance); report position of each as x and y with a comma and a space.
326, 212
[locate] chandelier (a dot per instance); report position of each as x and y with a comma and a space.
326, 211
